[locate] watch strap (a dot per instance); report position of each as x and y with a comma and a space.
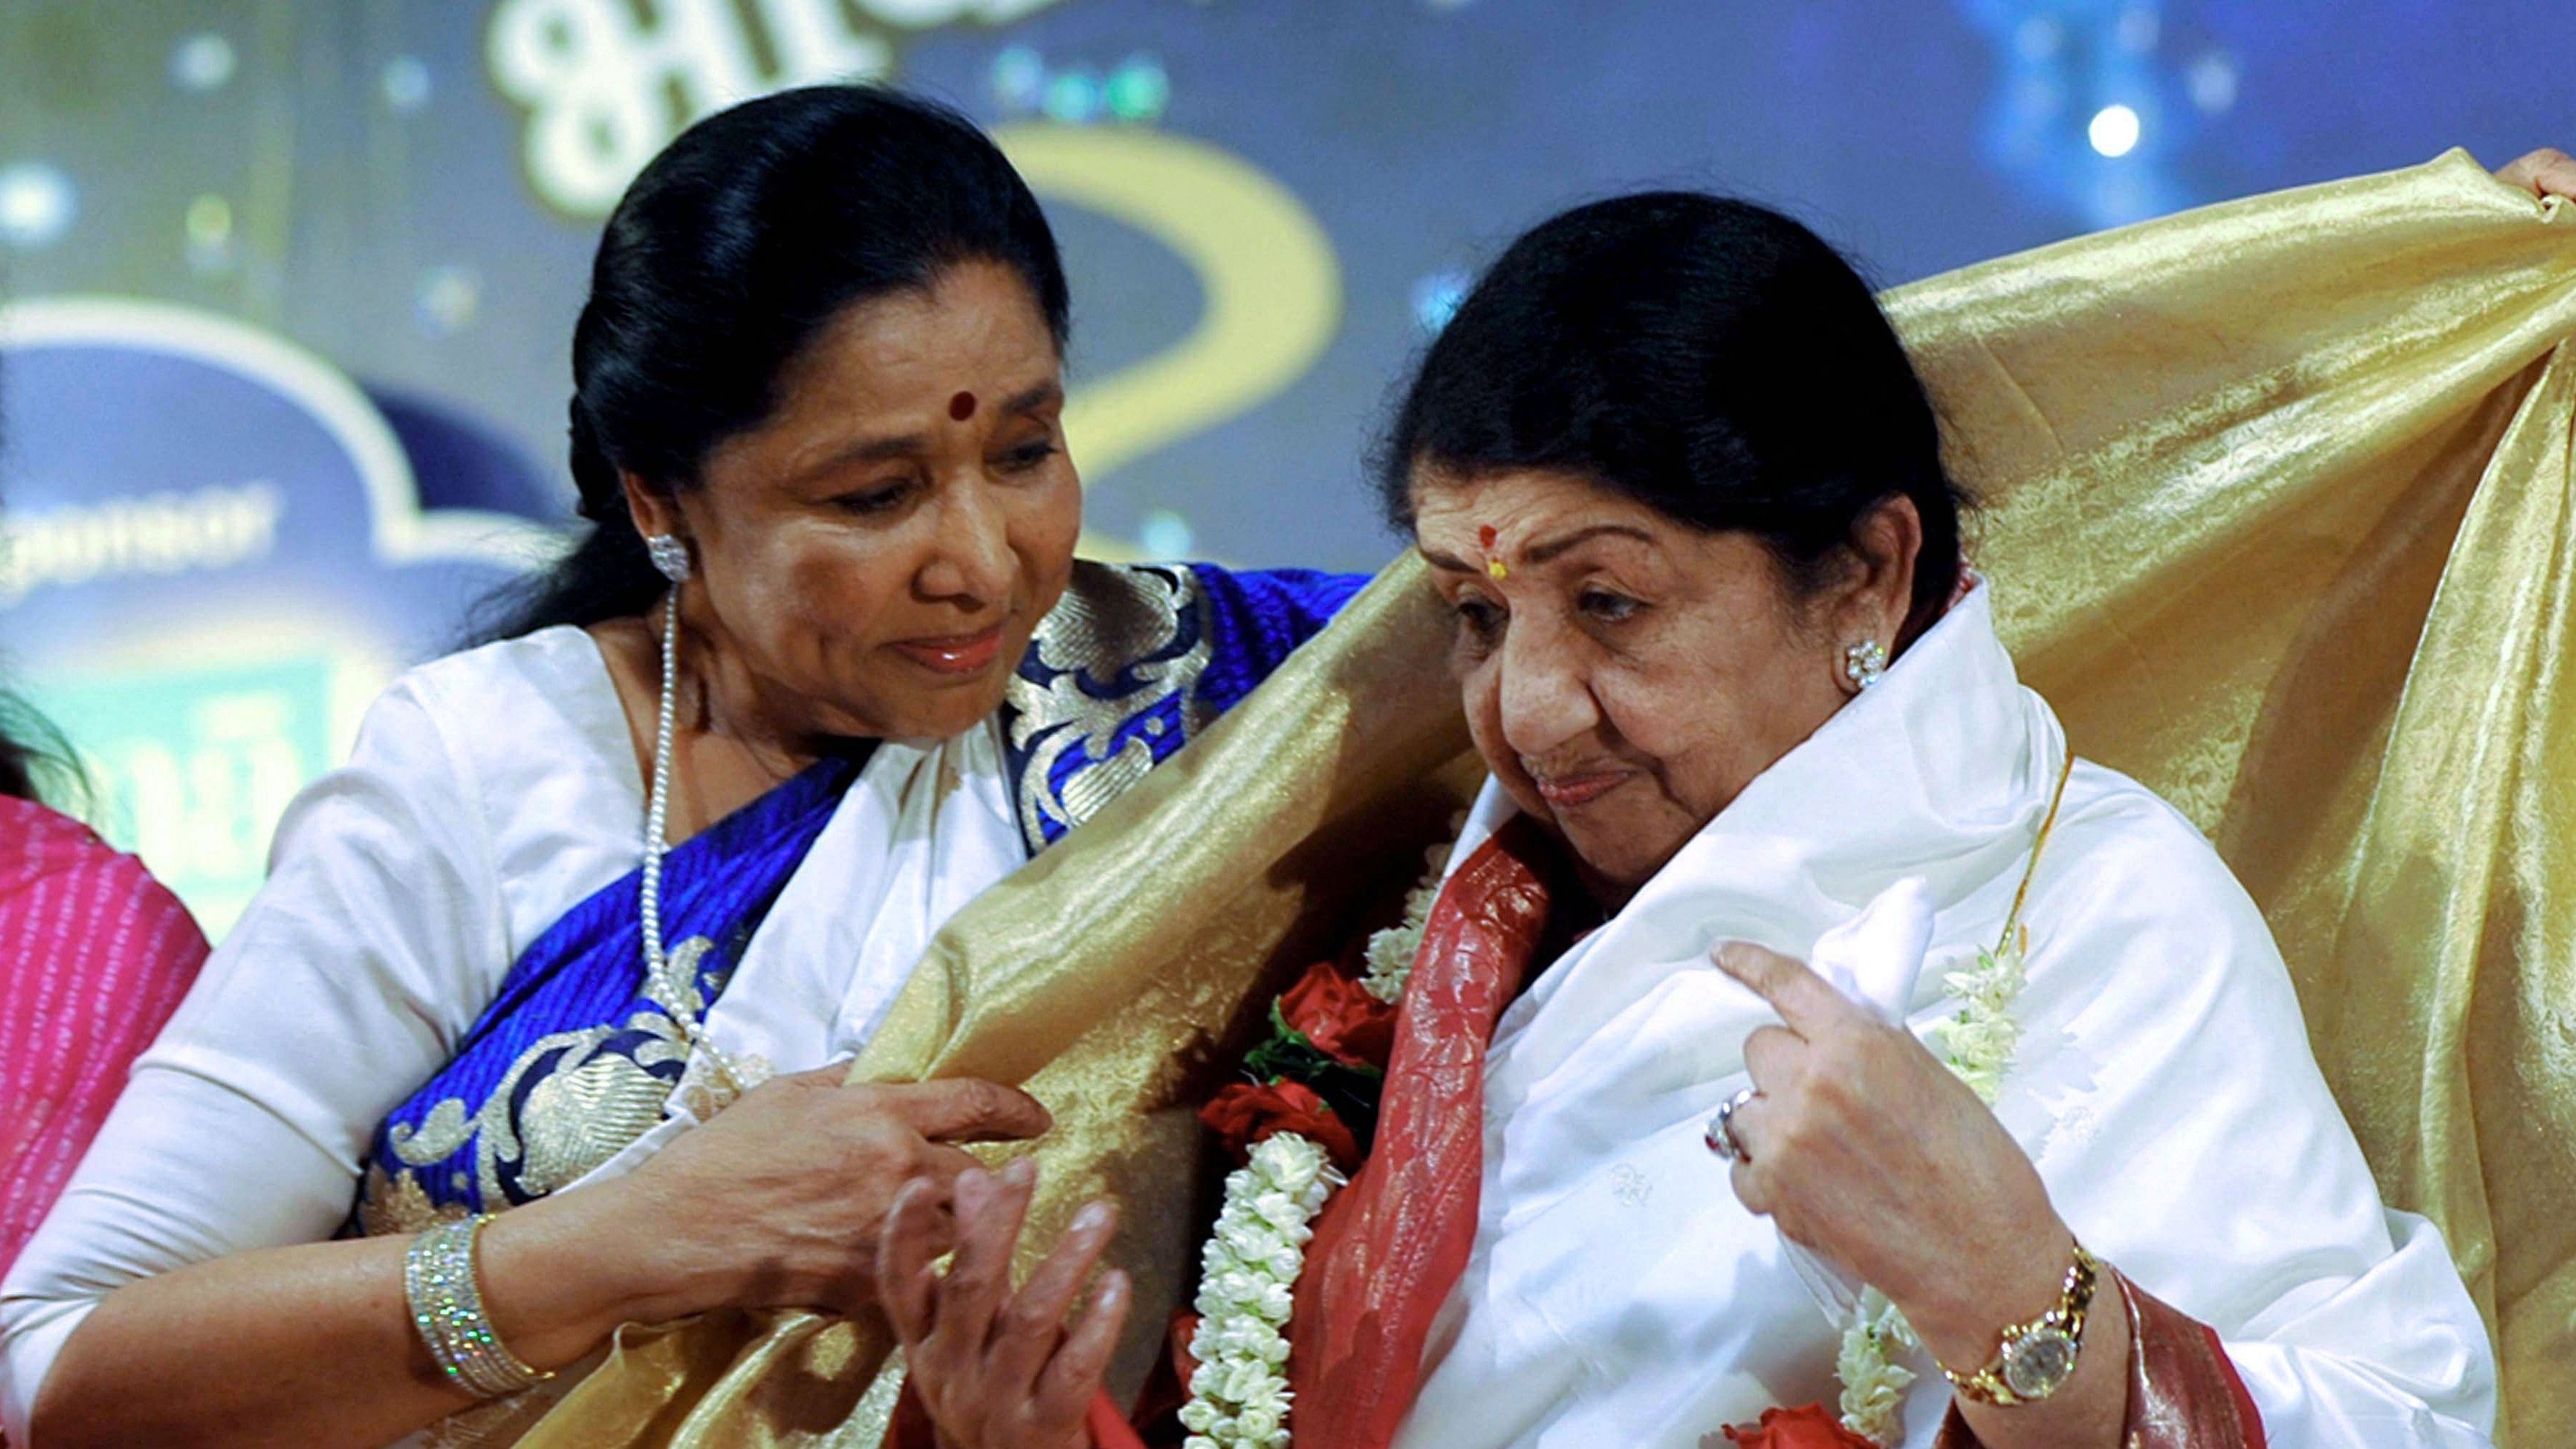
1991, 1383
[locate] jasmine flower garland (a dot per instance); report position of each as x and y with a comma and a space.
1247, 1282
1978, 1045
1874, 1384
1980, 1041
1391, 951
1239, 1395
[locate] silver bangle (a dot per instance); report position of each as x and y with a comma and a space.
447, 1307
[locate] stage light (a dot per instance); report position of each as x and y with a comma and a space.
37, 204
1139, 90
1164, 535
210, 221
2114, 131
448, 299
2139, 29
2038, 38
1073, 96
405, 83
2212, 81
209, 228
202, 62
1019, 78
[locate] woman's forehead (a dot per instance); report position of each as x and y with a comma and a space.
975, 328
1525, 509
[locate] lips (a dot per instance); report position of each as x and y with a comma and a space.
1564, 792
955, 654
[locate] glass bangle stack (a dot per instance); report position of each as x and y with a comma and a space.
447, 1307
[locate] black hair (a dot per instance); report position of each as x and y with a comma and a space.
1711, 358
17, 759
726, 256
32, 752
34, 756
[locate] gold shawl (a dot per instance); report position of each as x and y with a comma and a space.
2279, 518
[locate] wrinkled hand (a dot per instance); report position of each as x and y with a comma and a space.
1868, 1150
998, 1369
782, 1197
2545, 172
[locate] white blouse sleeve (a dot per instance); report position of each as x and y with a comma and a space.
379, 936
2187, 1135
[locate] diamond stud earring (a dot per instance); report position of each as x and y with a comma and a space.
1864, 663
670, 556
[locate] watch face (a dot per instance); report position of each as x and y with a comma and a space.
2039, 1363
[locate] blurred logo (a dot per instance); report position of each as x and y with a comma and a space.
194, 766
606, 84
216, 555
162, 533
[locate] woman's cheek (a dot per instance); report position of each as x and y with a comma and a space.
840, 586
1052, 521
1480, 696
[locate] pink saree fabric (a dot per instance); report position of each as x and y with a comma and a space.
94, 957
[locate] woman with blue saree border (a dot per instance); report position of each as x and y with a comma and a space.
827, 645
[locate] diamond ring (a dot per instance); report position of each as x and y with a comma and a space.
1721, 1138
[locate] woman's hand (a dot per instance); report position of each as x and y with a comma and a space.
779, 1201
997, 1369
1868, 1150
2545, 172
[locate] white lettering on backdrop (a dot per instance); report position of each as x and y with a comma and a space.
159, 533
608, 83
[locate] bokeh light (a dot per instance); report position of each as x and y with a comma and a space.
1163, 534
37, 204
1072, 96
2138, 30
210, 221
1019, 78
2212, 82
203, 62
448, 299
405, 83
2114, 131
1139, 90
2039, 37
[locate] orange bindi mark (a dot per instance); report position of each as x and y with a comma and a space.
962, 406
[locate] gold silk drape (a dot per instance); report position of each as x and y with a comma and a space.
2281, 516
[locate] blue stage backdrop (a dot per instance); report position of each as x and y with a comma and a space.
290, 282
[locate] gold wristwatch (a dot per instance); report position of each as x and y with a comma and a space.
2038, 1357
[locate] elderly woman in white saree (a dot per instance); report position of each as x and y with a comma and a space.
1799, 1022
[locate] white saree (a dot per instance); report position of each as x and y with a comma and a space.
1619, 1294
403, 887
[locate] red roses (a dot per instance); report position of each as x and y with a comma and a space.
1803, 1428
1244, 1114
1339, 1016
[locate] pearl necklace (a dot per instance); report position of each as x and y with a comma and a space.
657, 816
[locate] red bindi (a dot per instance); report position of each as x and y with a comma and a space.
962, 406
1485, 536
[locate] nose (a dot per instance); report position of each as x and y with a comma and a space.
970, 559
1544, 692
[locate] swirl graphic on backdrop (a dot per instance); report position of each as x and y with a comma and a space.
604, 86
1272, 285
